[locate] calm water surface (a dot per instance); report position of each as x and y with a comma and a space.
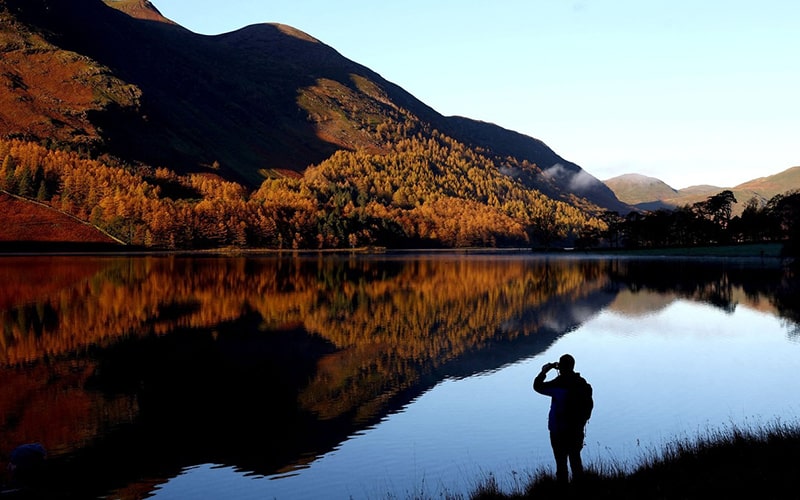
373, 377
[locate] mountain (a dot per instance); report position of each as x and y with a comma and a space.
116, 77
648, 193
769, 186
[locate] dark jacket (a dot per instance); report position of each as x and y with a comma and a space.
559, 389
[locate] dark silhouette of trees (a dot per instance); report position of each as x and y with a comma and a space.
785, 211
710, 222
716, 212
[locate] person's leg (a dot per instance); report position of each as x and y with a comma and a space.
561, 453
575, 447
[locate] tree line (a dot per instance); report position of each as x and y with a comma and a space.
710, 222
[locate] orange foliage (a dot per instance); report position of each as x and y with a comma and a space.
423, 189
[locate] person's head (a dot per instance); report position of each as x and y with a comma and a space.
566, 364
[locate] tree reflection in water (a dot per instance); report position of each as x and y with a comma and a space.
264, 363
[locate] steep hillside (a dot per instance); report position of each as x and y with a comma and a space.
52, 94
557, 175
26, 222
264, 101
767, 187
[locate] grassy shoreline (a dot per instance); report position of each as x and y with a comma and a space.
728, 463
750, 250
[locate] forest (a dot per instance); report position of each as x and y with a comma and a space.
426, 190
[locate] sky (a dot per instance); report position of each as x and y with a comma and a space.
690, 92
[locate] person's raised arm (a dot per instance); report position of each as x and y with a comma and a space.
538, 382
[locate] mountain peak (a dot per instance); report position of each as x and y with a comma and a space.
139, 9
635, 179
294, 32
638, 188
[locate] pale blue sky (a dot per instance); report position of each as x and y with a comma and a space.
688, 91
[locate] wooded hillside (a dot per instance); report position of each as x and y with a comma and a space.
429, 190
230, 140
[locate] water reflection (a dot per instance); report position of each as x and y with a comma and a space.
135, 368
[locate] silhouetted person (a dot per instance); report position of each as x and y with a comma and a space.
570, 408
26, 467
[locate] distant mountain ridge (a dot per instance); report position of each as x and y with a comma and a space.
258, 102
649, 193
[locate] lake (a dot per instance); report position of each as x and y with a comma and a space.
374, 376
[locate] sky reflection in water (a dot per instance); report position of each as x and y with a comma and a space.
677, 372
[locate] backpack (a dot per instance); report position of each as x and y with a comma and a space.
579, 402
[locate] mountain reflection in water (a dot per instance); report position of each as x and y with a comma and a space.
130, 369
